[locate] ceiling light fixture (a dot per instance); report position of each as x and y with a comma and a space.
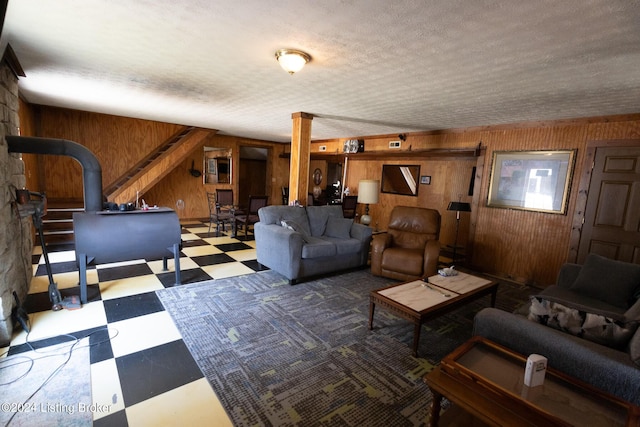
292, 60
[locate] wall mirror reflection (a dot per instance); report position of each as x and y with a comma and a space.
400, 179
217, 165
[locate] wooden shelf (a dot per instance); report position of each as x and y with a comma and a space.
409, 154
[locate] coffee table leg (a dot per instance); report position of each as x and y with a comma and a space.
435, 409
416, 338
494, 294
372, 307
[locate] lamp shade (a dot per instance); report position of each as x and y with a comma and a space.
459, 206
368, 190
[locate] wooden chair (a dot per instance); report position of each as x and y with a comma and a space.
349, 205
221, 211
251, 217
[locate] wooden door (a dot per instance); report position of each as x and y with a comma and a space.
612, 214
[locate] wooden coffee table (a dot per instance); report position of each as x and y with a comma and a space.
485, 384
419, 300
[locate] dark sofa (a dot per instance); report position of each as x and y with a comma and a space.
586, 325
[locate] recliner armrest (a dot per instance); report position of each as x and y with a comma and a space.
431, 257
379, 243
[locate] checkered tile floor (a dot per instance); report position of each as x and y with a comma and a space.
140, 367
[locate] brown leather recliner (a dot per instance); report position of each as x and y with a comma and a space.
410, 248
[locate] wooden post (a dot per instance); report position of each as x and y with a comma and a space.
300, 152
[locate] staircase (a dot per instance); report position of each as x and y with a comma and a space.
57, 224
156, 166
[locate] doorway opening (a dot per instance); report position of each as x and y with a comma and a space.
253, 174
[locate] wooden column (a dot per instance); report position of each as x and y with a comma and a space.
300, 152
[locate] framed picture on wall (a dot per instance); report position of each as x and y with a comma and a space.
531, 180
425, 179
211, 166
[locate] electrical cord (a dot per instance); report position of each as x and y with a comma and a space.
74, 344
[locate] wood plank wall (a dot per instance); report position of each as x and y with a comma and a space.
117, 142
180, 185
527, 247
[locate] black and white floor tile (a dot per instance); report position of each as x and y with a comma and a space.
141, 369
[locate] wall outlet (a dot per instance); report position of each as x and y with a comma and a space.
394, 144
322, 148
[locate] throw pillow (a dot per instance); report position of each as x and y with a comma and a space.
294, 226
614, 282
338, 227
594, 327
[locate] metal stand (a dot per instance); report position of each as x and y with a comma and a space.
38, 210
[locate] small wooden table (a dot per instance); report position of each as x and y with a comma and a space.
421, 300
485, 381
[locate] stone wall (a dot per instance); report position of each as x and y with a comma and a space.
16, 239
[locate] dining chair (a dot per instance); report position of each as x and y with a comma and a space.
349, 205
251, 217
221, 211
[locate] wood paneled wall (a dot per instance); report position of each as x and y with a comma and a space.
527, 247
180, 185
117, 142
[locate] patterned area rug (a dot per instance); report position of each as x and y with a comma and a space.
279, 355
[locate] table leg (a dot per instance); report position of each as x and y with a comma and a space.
436, 405
494, 294
416, 338
372, 307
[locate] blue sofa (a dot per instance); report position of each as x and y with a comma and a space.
305, 241
586, 325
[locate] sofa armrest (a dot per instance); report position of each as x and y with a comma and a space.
567, 275
360, 232
279, 248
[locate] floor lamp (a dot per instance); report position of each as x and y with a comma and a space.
367, 194
458, 207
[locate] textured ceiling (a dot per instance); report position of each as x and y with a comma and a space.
378, 67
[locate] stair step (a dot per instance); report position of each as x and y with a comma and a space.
66, 226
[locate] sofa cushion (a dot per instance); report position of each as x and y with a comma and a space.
319, 215
316, 247
294, 226
614, 282
344, 246
338, 227
614, 331
274, 214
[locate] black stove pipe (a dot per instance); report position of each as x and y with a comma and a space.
91, 170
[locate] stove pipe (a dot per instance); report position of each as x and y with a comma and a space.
91, 170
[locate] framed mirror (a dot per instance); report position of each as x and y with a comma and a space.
217, 165
400, 179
